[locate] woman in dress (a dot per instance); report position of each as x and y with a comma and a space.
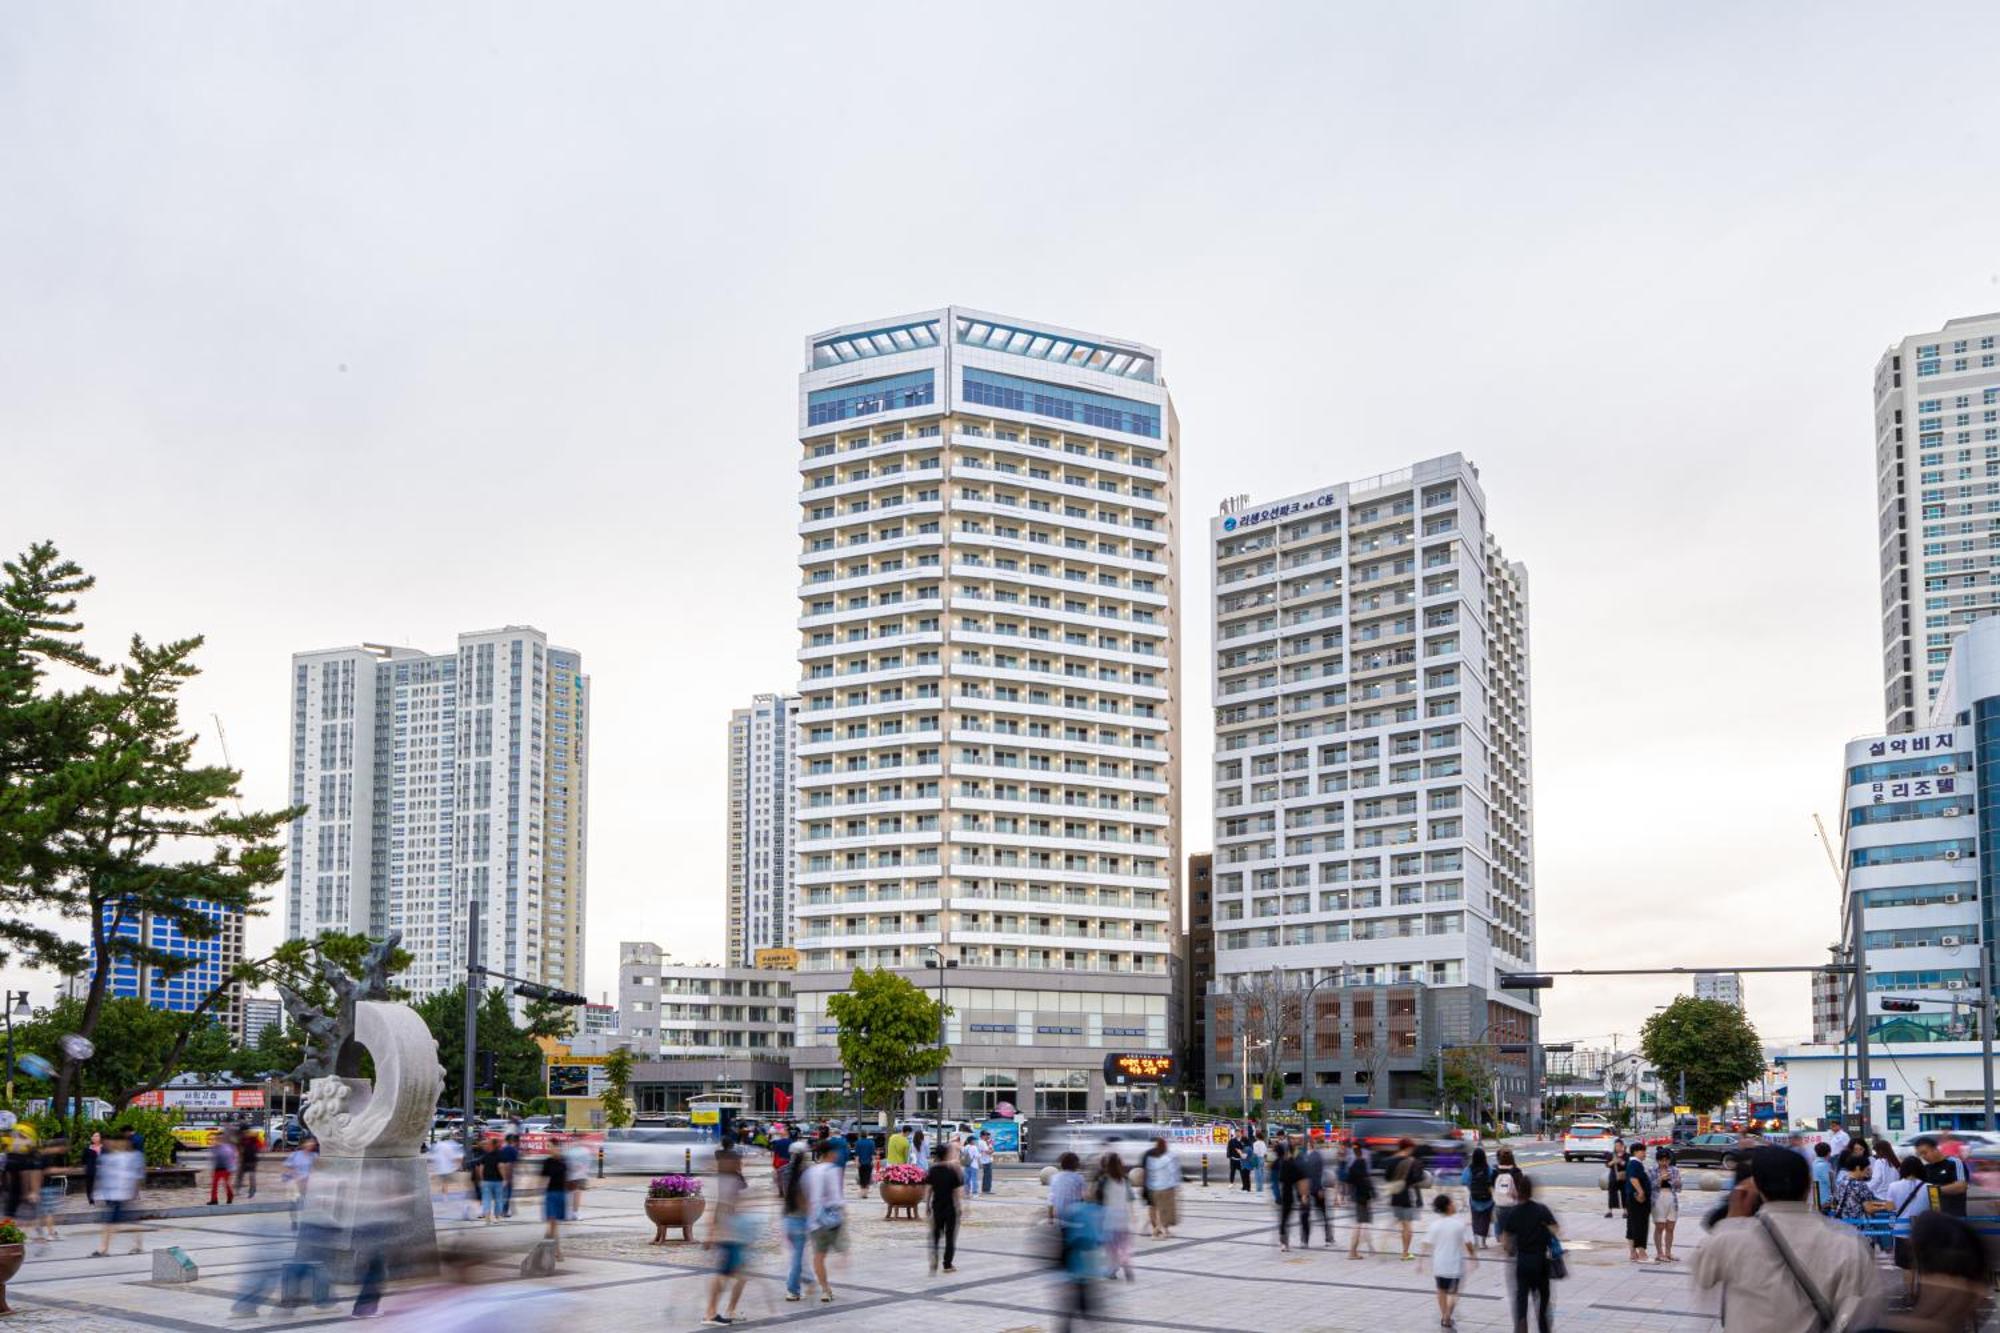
1114, 1196
1666, 1202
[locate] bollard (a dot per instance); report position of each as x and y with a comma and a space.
1204, 1170
600, 1162
687, 1161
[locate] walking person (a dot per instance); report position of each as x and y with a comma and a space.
93, 1153
1638, 1205
1780, 1265
1260, 1157
968, 1160
298, 1174
1506, 1192
55, 1151
1614, 1179
864, 1157
1234, 1152
1666, 1202
947, 1184
1317, 1190
1163, 1188
1404, 1180
1448, 1241
491, 1171
1531, 1239
826, 1214
1286, 1186
1361, 1190
510, 1161
1477, 1177
555, 1195
249, 1147
444, 1158
576, 1160
118, 1175
985, 1161
731, 1231
222, 1167
1114, 1196
792, 1205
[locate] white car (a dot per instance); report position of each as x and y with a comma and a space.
644, 1150
1582, 1143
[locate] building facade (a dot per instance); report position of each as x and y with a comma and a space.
1373, 791
1830, 1011
988, 750
1937, 470
598, 1020
763, 772
433, 780
260, 1012
686, 1011
1724, 986
210, 961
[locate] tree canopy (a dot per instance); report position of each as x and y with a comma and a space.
517, 1060
1710, 1042
888, 1034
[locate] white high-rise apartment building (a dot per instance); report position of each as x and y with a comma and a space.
763, 770
1373, 793
1937, 471
988, 757
1724, 986
433, 779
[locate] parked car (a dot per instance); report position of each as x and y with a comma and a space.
647, 1150
1721, 1150
1585, 1141
1440, 1143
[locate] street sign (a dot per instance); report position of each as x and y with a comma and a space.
1683, 1110
1256, 1092
1302, 1106
1874, 1085
1354, 1099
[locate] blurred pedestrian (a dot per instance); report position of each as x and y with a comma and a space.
1404, 1180
1781, 1267
491, 1171
864, 1159
1163, 1188
1080, 1248
576, 1157
1113, 1193
1289, 1181
222, 1166
1477, 1177
510, 1161
1614, 1179
298, 1173
947, 1184
1666, 1202
985, 1161
827, 1214
1234, 1152
1361, 1191
792, 1194
93, 1153
249, 1147
119, 1172
444, 1159
1909, 1196
1317, 1189
1954, 1277
732, 1229
1531, 1238
555, 1196
1448, 1240
1065, 1186
1506, 1191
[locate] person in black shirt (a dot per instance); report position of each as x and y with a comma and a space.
1529, 1231
945, 1182
1638, 1206
1291, 1190
555, 1198
1947, 1174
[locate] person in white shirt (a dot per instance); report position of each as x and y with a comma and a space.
970, 1156
1836, 1142
1909, 1195
1885, 1170
826, 1212
1448, 1239
119, 1172
1163, 1179
446, 1157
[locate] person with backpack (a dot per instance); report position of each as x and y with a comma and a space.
1405, 1181
1360, 1189
1507, 1179
1477, 1177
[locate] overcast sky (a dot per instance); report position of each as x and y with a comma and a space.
324, 323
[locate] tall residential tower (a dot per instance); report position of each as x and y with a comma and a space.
988, 758
763, 769
1937, 477
433, 779
1373, 798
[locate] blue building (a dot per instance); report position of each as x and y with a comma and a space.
184, 991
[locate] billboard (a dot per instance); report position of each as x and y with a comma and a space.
202, 1099
576, 1076
782, 960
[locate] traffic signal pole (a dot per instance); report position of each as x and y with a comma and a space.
471, 1015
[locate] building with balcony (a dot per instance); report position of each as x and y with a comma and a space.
763, 753
432, 780
988, 737
1724, 986
1937, 476
198, 963
698, 1011
1373, 791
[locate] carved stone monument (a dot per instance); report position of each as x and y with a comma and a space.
370, 1190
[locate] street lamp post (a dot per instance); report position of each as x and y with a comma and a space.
941, 963
1244, 1086
1305, 1051
17, 1003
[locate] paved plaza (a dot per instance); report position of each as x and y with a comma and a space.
1223, 1270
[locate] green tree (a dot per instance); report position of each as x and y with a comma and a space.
617, 1087
1709, 1042
129, 1039
518, 1061
547, 1018
105, 818
1468, 1080
888, 1034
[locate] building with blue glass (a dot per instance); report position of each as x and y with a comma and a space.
183, 991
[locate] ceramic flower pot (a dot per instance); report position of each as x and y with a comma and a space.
683, 1212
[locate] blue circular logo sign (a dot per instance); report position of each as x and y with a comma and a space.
1229, 525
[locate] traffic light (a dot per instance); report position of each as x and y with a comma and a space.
528, 990
1900, 1006
1526, 981
489, 1069
1513, 1048
1559, 1048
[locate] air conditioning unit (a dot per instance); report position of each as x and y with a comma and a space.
1954, 985
1949, 941
1950, 812
1951, 898
1947, 768
1951, 855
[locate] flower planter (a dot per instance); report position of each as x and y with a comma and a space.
902, 1199
682, 1212
10, 1264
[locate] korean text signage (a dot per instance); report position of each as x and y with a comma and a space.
202, 1099
1138, 1067
1943, 784
1323, 500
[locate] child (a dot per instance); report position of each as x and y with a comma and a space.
1449, 1240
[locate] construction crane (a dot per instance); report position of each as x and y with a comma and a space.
223, 737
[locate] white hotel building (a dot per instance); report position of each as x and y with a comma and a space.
1937, 469
431, 780
763, 773
988, 757
1373, 791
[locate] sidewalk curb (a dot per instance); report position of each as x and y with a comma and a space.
95, 1216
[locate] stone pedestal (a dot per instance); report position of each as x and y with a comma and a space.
356, 1206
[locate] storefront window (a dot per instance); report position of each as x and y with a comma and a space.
1062, 1092
986, 1088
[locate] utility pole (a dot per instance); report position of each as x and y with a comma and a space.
471, 1010
1860, 951
1986, 1021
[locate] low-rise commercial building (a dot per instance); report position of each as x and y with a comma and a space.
669, 1010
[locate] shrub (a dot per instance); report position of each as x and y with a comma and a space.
673, 1187
11, 1234
155, 1127
902, 1173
